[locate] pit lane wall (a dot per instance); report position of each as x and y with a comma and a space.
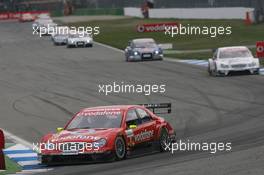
192, 13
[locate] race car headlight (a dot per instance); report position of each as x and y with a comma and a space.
88, 41
224, 66
99, 143
253, 64
156, 52
136, 53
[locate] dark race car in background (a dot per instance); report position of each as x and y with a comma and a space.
143, 49
111, 132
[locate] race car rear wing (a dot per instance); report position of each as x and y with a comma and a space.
155, 107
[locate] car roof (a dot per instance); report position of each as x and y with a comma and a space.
232, 47
113, 107
144, 40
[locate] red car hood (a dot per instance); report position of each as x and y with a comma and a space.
82, 135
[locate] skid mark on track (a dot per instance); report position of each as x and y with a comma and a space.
54, 104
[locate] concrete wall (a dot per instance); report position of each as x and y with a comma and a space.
192, 13
132, 11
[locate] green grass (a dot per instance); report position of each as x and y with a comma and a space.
117, 33
11, 167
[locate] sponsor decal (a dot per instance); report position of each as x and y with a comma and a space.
103, 112
75, 137
144, 135
129, 133
260, 49
157, 27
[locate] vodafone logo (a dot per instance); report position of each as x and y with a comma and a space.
159, 27
140, 28
260, 49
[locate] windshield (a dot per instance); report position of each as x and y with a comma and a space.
145, 44
96, 119
235, 53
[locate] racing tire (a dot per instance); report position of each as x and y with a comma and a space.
120, 148
127, 59
164, 140
69, 46
209, 70
89, 45
256, 72
216, 73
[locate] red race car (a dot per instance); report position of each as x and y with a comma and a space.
112, 132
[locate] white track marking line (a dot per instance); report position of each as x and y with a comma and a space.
32, 162
109, 47
22, 155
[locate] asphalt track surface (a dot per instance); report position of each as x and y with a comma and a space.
41, 86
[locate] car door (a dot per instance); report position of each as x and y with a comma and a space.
146, 127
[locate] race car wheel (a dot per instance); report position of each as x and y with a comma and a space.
256, 72
216, 73
120, 148
209, 70
164, 140
127, 59
89, 45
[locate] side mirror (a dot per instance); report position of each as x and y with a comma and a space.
132, 126
59, 129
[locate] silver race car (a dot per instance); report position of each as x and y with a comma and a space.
80, 40
232, 59
143, 49
60, 39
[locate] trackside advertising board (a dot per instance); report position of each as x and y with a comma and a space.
260, 49
155, 27
16, 15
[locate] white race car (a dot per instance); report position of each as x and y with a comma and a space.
81, 39
41, 19
232, 59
